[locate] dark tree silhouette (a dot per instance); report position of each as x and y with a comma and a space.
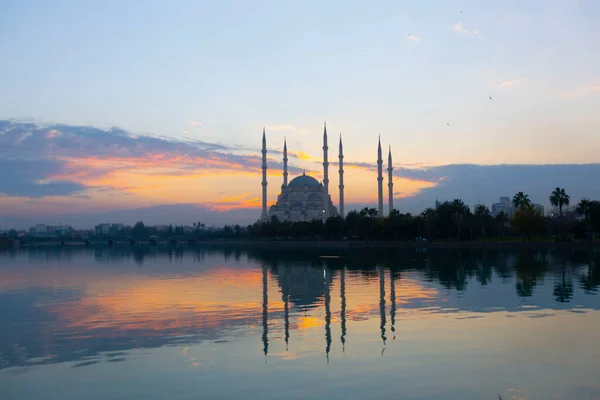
559, 198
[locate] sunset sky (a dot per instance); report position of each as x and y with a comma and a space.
114, 106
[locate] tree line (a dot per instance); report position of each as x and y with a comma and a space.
450, 220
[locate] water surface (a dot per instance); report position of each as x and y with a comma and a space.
139, 323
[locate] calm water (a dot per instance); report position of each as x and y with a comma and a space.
147, 323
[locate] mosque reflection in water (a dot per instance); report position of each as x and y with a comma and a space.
305, 286
59, 305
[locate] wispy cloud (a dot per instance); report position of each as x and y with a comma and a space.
458, 27
61, 160
511, 83
414, 38
580, 92
245, 200
194, 122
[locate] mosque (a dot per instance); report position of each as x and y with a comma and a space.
305, 199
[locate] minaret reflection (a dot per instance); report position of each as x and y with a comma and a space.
265, 312
393, 301
327, 279
286, 306
382, 305
343, 312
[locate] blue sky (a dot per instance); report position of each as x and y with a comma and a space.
418, 73
233, 66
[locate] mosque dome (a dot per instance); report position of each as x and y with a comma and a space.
302, 180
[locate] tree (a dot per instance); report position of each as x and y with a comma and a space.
559, 198
428, 216
528, 220
460, 212
502, 217
482, 213
520, 199
584, 207
139, 230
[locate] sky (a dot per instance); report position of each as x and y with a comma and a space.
114, 106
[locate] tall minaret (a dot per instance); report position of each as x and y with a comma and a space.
264, 217
285, 160
325, 171
379, 180
341, 171
390, 182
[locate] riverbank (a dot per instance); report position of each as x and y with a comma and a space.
331, 244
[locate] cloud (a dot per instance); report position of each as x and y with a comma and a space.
579, 92
62, 160
458, 27
414, 38
195, 122
510, 83
301, 155
245, 200
28, 178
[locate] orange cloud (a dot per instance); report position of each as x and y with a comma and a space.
301, 155
245, 200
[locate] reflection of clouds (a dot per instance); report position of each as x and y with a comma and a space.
79, 309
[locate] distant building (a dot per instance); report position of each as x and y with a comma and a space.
61, 230
115, 228
504, 205
102, 229
540, 208
41, 231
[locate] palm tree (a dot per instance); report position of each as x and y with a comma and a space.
503, 218
482, 213
584, 207
460, 210
559, 198
520, 199
428, 215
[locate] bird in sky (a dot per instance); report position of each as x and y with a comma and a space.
447, 124
490, 97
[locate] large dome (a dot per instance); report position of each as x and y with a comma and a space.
302, 180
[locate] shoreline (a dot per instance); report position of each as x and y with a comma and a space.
328, 244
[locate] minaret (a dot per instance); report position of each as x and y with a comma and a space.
264, 217
390, 182
341, 171
379, 180
325, 171
285, 160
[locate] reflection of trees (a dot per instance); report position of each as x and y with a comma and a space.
563, 288
530, 268
591, 280
484, 269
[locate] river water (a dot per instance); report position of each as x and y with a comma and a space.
160, 323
